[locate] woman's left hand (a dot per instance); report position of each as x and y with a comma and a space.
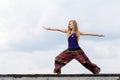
100, 35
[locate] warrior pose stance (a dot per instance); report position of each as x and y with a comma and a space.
74, 51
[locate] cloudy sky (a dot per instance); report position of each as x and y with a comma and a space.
26, 48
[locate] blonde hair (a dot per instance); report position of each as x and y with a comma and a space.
75, 28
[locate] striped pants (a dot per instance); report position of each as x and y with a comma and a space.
67, 55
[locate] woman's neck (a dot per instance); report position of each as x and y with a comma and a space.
72, 31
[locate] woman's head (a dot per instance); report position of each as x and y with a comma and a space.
73, 25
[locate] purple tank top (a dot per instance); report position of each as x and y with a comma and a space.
72, 42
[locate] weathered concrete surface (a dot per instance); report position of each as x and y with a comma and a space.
59, 77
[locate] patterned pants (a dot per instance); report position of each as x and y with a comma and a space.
67, 55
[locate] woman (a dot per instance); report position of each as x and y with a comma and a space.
74, 51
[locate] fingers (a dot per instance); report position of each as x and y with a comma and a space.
45, 27
101, 35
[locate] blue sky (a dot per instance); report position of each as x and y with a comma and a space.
25, 47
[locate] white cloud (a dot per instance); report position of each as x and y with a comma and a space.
24, 21
23, 62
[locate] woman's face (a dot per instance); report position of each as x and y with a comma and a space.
71, 25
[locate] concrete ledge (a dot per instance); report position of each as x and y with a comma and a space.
60, 77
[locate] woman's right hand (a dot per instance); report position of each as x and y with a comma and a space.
46, 28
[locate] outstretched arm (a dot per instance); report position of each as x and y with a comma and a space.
55, 29
91, 34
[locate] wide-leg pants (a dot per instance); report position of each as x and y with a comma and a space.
66, 56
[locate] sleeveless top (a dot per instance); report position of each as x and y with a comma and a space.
72, 42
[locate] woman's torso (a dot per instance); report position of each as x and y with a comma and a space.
73, 42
